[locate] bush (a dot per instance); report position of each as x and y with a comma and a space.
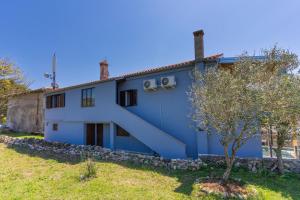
89, 169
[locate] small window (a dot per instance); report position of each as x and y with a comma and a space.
87, 97
55, 101
122, 132
128, 98
54, 127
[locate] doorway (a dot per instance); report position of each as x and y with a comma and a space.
94, 134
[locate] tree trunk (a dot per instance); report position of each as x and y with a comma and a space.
227, 173
271, 142
229, 163
279, 160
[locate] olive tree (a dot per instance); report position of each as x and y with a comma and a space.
281, 97
11, 82
226, 102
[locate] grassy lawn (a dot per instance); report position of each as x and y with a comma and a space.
24, 175
20, 135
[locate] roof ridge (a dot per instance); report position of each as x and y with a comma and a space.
140, 73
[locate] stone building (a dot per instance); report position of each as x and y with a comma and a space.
26, 111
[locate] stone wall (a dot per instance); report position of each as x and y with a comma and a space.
99, 153
254, 164
25, 112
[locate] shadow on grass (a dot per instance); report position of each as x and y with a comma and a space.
287, 185
21, 134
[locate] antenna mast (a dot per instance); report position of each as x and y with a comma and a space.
53, 84
53, 75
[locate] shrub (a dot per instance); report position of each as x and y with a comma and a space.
89, 169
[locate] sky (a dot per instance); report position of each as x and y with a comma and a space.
136, 34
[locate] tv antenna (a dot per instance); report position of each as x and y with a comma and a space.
52, 76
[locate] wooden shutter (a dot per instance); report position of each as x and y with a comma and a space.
49, 102
122, 98
63, 100
133, 97
58, 100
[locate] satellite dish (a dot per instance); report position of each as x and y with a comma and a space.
53, 75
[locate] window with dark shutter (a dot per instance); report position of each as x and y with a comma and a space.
55, 101
49, 102
128, 98
133, 97
122, 98
63, 100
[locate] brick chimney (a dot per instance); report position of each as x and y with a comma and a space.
104, 70
198, 43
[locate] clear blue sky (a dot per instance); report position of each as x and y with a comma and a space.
136, 34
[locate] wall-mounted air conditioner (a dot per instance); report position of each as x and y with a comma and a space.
150, 85
168, 82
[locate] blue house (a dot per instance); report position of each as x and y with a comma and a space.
145, 112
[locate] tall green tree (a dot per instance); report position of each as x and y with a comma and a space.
233, 102
226, 103
11, 82
281, 98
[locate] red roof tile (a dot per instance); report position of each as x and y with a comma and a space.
140, 73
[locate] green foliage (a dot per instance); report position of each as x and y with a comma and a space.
11, 82
21, 135
280, 94
232, 101
89, 170
226, 101
2, 119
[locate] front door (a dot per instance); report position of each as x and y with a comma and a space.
90, 134
94, 134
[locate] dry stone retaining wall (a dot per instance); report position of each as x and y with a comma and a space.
99, 153
75, 151
254, 164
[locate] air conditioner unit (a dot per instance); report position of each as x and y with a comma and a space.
150, 85
168, 82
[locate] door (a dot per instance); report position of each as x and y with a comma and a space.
100, 135
90, 134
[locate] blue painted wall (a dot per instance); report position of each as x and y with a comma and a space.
130, 143
68, 132
106, 136
108, 112
251, 149
167, 109
158, 123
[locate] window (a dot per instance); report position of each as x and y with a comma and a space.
87, 97
54, 127
55, 101
122, 132
128, 98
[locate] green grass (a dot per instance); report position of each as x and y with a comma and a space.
26, 175
20, 135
